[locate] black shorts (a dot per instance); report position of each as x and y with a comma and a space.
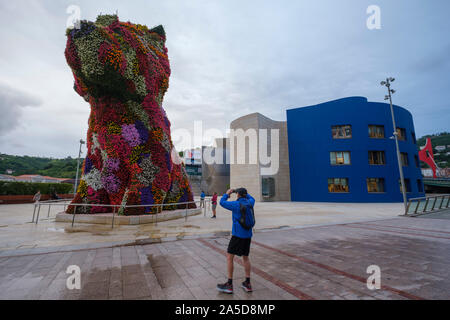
239, 247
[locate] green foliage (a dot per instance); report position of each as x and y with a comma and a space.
27, 188
57, 168
439, 139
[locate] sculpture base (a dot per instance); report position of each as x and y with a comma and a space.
106, 218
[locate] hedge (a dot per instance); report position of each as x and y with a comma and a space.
28, 188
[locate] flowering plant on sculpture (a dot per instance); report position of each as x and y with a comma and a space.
123, 70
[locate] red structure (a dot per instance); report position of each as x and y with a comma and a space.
426, 155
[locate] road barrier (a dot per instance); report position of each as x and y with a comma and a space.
427, 204
65, 203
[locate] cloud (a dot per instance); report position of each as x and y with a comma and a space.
12, 103
228, 59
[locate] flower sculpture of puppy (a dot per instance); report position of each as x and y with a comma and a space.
123, 70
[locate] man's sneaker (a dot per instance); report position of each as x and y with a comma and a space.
247, 286
226, 288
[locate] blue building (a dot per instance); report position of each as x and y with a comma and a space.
342, 151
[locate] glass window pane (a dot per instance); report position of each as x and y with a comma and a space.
375, 184
341, 132
338, 185
347, 157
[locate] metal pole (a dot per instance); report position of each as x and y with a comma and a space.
185, 216
400, 167
434, 204
78, 168
417, 208
39, 211
34, 212
114, 212
74, 213
426, 205
48, 213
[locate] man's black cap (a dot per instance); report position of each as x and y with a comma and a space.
242, 192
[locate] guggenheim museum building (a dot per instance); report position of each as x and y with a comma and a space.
337, 151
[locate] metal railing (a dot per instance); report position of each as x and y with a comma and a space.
427, 204
159, 208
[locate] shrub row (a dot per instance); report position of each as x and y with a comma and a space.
28, 188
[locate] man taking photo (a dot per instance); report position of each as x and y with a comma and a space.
243, 222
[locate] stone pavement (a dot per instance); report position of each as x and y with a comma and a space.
18, 233
324, 262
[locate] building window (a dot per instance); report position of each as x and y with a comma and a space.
376, 132
375, 185
407, 185
340, 158
377, 158
416, 159
419, 185
268, 187
414, 137
338, 185
401, 133
341, 132
404, 158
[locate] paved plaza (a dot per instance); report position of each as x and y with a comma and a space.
17, 233
316, 262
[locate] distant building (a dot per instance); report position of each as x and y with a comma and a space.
216, 167
192, 157
247, 170
342, 151
5, 177
38, 179
338, 151
427, 173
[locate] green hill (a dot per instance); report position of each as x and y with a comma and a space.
439, 139
58, 168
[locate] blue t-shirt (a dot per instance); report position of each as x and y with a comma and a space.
202, 196
235, 208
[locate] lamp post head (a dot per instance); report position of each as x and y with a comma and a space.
82, 142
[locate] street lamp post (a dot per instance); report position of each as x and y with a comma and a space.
387, 84
78, 168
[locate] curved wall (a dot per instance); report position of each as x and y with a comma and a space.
310, 143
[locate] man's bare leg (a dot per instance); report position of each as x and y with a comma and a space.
247, 266
230, 265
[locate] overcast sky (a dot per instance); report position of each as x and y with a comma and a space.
229, 58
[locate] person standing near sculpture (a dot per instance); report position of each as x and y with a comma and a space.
214, 205
202, 200
37, 197
241, 236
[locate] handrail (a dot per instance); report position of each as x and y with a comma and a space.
64, 202
431, 202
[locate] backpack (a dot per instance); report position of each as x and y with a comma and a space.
247, 219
